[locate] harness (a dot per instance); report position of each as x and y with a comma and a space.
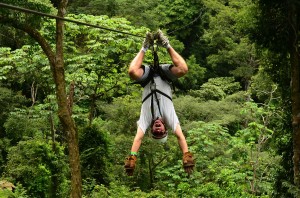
155, 70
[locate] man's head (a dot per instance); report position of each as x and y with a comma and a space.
158, 130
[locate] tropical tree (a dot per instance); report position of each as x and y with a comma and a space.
140, 14
229, 51
31, 24
42, 171
95, 152
184, 20
277, 29
95, 62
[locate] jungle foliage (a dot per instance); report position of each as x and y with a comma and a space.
234, 105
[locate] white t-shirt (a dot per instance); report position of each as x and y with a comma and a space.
165, 104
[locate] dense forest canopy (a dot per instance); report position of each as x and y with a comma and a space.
69, 109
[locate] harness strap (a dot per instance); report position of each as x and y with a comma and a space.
157, 101
152, 108
156, 91
155, 70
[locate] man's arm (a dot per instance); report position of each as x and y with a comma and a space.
135, 70
180, 67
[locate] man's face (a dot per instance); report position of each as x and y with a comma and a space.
158, 128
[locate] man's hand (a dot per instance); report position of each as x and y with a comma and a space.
188, 162
148, 41
162, 40
130, 164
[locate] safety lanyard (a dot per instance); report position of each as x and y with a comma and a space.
155, 57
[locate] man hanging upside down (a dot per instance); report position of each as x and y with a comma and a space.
157, 109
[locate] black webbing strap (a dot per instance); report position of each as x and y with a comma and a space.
152, 108
156, 91
157, 101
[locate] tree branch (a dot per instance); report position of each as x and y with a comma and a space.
32, 32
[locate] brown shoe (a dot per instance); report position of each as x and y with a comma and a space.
130, 164
188, 162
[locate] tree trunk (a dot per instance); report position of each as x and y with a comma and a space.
92, 108
63, 107
295, 90
54, 178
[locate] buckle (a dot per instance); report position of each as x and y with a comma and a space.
153, 86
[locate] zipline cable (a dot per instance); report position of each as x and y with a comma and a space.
196, 19
64, 19
87, 24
